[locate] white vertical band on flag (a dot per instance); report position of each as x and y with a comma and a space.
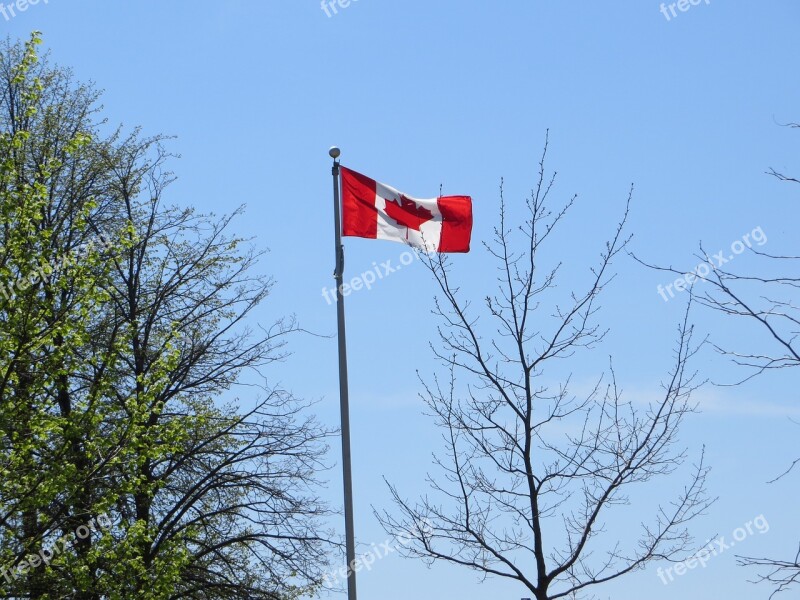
430, 232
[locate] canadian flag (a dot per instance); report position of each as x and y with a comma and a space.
374, 210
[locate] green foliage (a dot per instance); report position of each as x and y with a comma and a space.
121, 325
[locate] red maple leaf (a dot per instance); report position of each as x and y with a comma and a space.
407, 213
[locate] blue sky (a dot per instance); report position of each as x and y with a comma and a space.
422, 93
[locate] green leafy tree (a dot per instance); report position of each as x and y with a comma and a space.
53, 281
125, 474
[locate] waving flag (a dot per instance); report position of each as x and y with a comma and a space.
374, 210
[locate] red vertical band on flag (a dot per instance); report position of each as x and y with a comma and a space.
359, 215
456, 223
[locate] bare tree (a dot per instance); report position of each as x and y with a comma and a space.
782, 575
771, 301
532, 470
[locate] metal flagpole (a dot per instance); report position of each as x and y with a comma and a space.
343, 394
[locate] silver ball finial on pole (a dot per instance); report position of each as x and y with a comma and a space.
334, 152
